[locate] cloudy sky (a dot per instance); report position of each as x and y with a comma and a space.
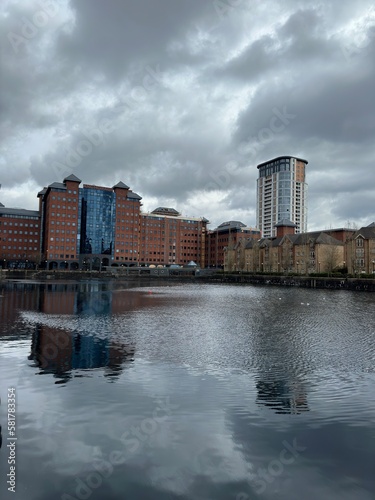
181, 99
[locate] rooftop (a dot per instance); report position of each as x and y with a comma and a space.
285, 223
165, 211
72, 178
120, 185
231, 224
18, 212
281, 158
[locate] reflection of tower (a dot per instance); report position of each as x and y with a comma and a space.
279, 354
282, 396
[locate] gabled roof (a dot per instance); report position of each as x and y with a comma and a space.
120, 185
72, 178
42, 192
1, 205
367, 232
326, 239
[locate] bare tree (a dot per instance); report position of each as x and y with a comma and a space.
332, 257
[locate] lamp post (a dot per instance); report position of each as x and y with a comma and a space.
318, 267
297, 263
262, 267
247, 266
278, 267
373, 267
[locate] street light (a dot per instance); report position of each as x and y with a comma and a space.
318, 267
297, 266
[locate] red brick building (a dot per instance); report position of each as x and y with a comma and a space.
228, 233
59, 208
19, 237
167, 237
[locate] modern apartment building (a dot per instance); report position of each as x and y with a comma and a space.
167, 237
281, 194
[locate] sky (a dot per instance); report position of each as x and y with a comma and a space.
182, 99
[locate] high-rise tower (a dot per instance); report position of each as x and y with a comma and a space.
281, 194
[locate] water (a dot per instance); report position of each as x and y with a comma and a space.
188, 392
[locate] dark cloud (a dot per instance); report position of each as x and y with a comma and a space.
181, 100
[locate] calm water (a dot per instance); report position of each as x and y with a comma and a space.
188, 392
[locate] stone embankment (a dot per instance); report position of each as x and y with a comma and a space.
202, 276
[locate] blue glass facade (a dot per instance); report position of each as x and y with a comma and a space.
285, 194
97, 212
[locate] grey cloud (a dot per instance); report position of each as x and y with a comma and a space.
219, 79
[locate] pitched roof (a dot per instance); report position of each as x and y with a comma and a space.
133, 196
367, 232
72, 178
285, 223
120, 185
57, 185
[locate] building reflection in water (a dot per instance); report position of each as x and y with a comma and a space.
280, 357
282, 396
61, 352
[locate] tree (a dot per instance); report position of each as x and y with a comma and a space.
332, 257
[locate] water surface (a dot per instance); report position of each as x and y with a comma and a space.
188, 391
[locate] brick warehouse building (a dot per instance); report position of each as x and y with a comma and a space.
19, 237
